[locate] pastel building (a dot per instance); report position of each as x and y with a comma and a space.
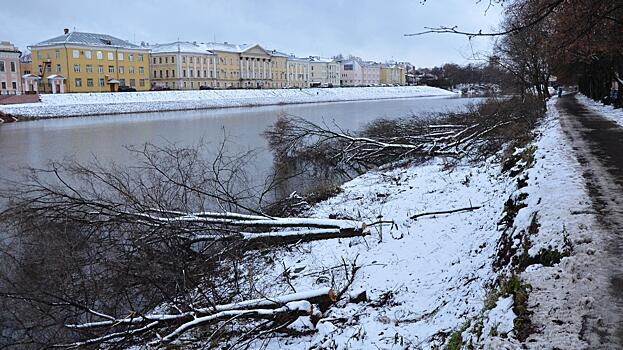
10, 71
392, 74
298, 72
182, 65
324, 72
88, 62
351, 73
371, 73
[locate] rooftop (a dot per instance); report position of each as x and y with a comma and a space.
179, 46
88, 39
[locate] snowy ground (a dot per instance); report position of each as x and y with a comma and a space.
428, 280
609, 112
65, 105
424, 278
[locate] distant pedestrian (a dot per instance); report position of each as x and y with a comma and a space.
560, 92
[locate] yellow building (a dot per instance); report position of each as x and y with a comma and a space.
392, 74
182, 65
88, 62
186, 65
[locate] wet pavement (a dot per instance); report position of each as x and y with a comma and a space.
598, 145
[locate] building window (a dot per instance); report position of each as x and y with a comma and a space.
111, 56
184, 73
101, 82
77, 68
140, 57
167, 73
78, 82
131, 70
132, 82
141, 82
111, 69
87, 54
99, 55
198, 73
192, 73
161, 74
160, 60
121, 69
173, 59
166, 59
13, 67
131, 57
4, 85
173, 72
75, 54
57, 53
183, 59
121, 82
154, 60
90, 82
120, 56
155, 75
2, 66
89, 70
191, 60
100, 69
141, 70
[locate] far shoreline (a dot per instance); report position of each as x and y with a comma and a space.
93, 109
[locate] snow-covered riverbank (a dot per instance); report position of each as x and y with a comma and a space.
514, 273
67, 105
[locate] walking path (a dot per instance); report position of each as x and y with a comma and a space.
598, 145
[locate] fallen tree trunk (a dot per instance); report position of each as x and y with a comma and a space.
261, 239
442, 212
292, 310
322, 297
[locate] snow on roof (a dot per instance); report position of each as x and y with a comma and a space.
26, 57
89, 39
180, 46
277, 53
321, 59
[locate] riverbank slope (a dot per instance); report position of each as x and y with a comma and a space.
68, 105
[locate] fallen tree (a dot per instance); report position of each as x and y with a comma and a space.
280, 309
294, 140
172, 242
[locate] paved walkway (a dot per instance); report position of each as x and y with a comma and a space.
598, 144
15, 99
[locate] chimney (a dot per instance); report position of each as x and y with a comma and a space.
66, 30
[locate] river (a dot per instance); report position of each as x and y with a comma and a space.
35, 143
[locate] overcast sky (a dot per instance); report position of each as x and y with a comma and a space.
370, 29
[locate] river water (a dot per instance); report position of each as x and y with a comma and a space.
35, 143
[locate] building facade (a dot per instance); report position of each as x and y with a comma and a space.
392, 74
88, 62
324, 72
10, 71
351, 73
298, 72
371, 73
182, 66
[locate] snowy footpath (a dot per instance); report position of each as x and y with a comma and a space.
514, 273
67, 105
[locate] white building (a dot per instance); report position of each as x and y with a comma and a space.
298, 72
324, 72
351, 73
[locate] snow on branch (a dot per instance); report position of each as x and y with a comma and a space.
290, 306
